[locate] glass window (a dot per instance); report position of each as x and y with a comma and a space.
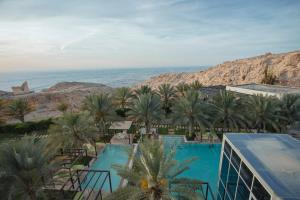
242, 192
259, 191
235, 159
224, 169
227, 197
227, 149
232, 182
221, 190
246, 174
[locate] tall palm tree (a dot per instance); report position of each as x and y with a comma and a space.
101, 109
264, 113
19, 108
191, 110
182, 88
155, 176
167, 94
122, 99
290, 108
146, 108
25, 166
228, 111
145, 89
73, 130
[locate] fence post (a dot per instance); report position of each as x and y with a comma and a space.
110, 187
78, 180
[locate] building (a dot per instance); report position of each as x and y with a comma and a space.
265, 90
259, 167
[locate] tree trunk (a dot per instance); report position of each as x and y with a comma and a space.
32, 195
147, 126
191, 127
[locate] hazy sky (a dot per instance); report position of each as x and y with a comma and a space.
59, 34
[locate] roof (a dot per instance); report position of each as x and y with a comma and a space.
253, 88
120, 125
276, 159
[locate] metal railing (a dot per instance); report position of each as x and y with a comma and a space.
87, 182
203, 187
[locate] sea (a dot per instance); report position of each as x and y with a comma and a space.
39, 80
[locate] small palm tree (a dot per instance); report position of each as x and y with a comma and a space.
25, 166
1, 111
191, 110
182, 88
269, 77
73, 130
167, 94
264, 113
155, 176
146, 108
101, 109
122, 99
62, 107
290, 108
227, 111
196, 85
19, 108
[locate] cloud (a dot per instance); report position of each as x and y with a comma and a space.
35, 33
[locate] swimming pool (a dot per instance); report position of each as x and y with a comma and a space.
206, 167
112, 154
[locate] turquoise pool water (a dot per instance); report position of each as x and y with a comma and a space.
206, 167
112, 154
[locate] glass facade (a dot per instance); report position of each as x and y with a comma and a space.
236, 181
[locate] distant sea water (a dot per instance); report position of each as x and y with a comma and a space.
111, 77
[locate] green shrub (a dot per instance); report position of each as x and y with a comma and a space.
83, 161
179, 132
163, 131
26, 127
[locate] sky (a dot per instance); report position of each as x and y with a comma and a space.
82, 34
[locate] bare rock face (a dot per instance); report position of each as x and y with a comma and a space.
285, 66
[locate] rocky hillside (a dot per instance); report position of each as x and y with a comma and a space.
46, 102
285, 66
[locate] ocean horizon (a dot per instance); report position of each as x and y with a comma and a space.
39, 80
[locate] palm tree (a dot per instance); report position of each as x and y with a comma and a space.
73, 130
191, 110
145, 89
290, 109
25, 166
264, 113
155, 176
196, 85
167, 93
1, 111
182, 88
122, 99
101, 109
228, 111
19, 108
146, 108
62, 107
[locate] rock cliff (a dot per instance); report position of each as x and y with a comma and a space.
286, 66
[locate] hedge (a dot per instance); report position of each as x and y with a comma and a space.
26, 127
